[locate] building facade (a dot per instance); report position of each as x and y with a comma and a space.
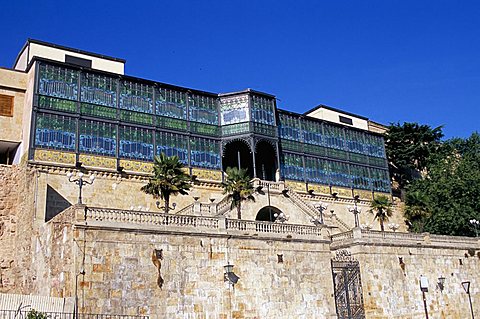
85, 110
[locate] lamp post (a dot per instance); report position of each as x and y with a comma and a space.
80, 182
424, 289
321, 207
475, 224
466, 287
355, 210
393, 226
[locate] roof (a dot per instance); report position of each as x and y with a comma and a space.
61, 47
322, 106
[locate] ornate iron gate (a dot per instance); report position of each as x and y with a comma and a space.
347, 286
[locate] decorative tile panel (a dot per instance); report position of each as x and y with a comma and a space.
98, 161
207, 174
54, 156
137, 166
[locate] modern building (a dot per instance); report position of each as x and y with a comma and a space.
81, 109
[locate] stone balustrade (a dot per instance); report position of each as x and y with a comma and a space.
361, 236
138, 220
268, 227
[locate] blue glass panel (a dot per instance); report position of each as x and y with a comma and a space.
170, 103
136, 143
55, 132
203, 109
172, 144
58, 82
234, 109
99, 89
289, 128
292, 167
263, 110
340, 174
316, 170
205, 153
97, 138
136, 97
334, 137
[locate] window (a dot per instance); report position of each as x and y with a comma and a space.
6, 105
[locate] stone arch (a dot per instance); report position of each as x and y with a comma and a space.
267, 213
266, 159
238, 153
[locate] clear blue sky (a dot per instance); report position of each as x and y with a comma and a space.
387, 60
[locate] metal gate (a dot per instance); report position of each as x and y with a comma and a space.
347, 286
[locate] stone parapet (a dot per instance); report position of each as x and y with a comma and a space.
360, 236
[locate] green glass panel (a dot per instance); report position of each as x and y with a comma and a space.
291, 145
235, 128
171, 123
98, 111
201, 128
136, 117
57, 104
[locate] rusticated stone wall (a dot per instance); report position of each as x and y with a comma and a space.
17, 188
392, 263
120, 276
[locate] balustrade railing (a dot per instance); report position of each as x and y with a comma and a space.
94, 214
269, 227
24, 314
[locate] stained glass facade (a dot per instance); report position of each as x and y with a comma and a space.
121, 117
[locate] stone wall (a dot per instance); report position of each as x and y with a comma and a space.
17, 188
391, 266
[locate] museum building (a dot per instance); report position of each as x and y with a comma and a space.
86, 112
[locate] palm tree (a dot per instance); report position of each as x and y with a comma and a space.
382, 208
238, 187
168, 179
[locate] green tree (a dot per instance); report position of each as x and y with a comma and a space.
239, 188
33, 314
409, 147
450, 192
169, 178
381, 207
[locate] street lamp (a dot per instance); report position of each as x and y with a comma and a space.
393, 226
281, 218
466, 287
475, 224
80, 182
424, 289
229, 276
355, 210
321, 207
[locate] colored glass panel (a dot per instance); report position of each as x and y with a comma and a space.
97, 138
55, 132
203, 109
334, 137
340, 174
172, 144
136, 97
263, 110
98, 111
380, 180
136, 117
289, 128
293, 167
136, 143
58, 82
99, 89
171, 103
57, 104
360, 175
316, 170
204, 153
234, 109
312, 132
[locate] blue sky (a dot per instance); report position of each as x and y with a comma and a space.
391, 61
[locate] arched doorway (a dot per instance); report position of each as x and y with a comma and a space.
267, 214
265, 160
238, 154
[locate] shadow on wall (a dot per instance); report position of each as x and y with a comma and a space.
56, 203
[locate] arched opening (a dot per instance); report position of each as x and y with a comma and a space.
267, 214
238, 154
265, 161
